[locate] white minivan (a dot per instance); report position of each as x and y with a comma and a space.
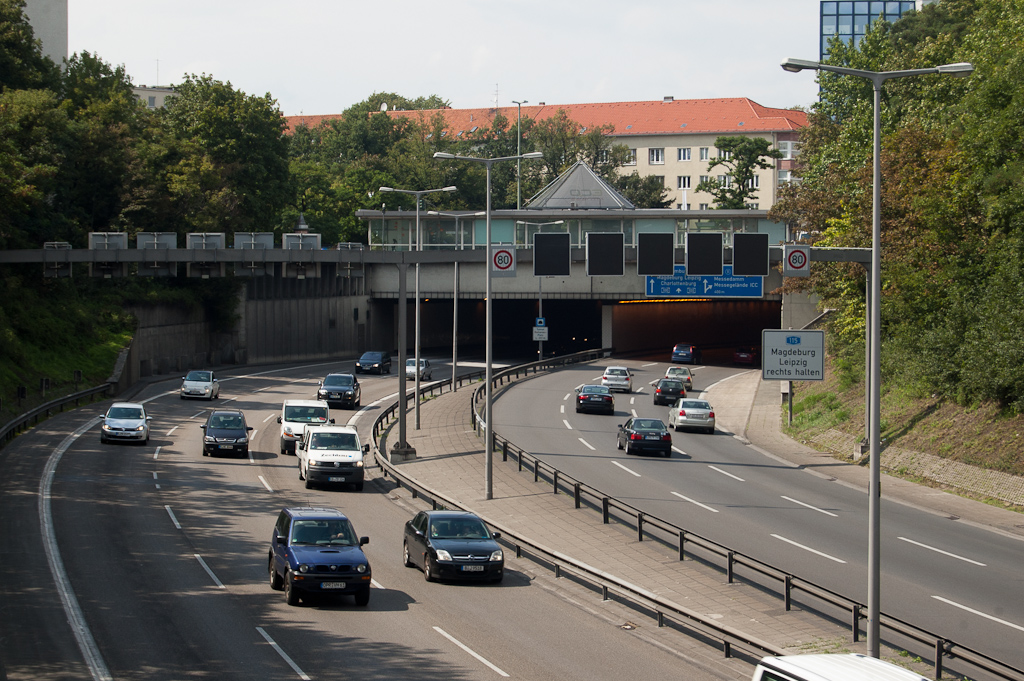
296, 415
831, 667
331, 455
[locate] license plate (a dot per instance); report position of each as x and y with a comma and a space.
332, 585
653, 437
117, 434
227, 446
472, 568
335, 478
335, 395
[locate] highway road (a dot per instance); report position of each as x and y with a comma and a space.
149, 562
962, 582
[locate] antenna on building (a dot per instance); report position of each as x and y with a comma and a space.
495, 95
383, 106
158, 73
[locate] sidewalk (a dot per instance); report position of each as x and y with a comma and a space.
451, 460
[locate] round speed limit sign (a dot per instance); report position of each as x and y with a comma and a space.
796, 261
503, 262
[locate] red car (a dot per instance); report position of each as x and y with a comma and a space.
745, 355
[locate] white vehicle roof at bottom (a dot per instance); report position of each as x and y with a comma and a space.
835, 667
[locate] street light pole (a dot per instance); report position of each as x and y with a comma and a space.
488, 334
519, 139
419, 247
877, 79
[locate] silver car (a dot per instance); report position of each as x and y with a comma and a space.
681, 374
201, 384
426, 372
125, 422
689, 413
617, 378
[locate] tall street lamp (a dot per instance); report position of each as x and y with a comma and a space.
877, 78
519, 139
419, 247
488, 342
540, 280
455, 294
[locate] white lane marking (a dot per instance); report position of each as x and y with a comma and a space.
945, 553
371, 405
264, 481
375, 584
676, 449
220, 585
72, 610
978, 613
734, 477
230, 399
566, 397
813, 508
626, 469
259, 390
632, 400
174, 520
154, 475
566, 424
562, 409
468, 650
696, 503
270, 417
284, 655
640, 390
634, 412
587, 444
197, 415
807, 548
651, 364
156, 453
169, 432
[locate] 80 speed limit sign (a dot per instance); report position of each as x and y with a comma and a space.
796, 261
503, 262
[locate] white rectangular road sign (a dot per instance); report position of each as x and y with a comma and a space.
792, 355
796, 260
540, 333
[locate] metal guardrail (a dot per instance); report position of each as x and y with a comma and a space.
30, 418
644, 523
666, 612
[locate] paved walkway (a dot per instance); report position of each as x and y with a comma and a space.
450, 460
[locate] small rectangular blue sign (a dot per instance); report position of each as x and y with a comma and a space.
726, 286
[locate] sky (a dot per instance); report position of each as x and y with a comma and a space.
322, 56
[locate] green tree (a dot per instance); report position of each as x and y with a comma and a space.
741, 157
643, 192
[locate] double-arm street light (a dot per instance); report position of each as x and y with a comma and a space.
419, 194
540, 280
488, 342
877, 78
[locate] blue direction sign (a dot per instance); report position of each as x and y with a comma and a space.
726, 286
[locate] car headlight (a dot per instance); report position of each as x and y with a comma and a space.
106, 426
303, 568
361, 567
443, 555
209, 439
497, 556
321, 393
242, 440
314, 462
140, 428
288, 430
359, 464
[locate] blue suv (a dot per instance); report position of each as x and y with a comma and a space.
315, 552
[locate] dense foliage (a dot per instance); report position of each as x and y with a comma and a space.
952, 197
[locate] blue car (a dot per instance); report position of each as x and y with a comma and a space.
686, 353
314, 552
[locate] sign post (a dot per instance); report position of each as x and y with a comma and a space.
792, 355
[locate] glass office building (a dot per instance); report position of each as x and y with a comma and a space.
850, 20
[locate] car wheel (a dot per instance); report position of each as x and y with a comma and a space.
301, 476
205, 453
406, 558
578, 410
244, 454
618, 444
363, 597
426, 569
291, 596
309, 485
276, 583
103, 440
676, 427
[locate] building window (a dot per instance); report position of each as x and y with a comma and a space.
790, 150
784, 177
725, 181
684, 153
703, 206
661, 179
602, 157
656, 156
704, 155
753, 183
152, 102
703, 179
752, 206
724, 155
680, 206
631, 161
683, 182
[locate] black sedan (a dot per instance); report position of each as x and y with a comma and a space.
641, 435
225, 432
668, 391
594, 398
340, 390
452, 545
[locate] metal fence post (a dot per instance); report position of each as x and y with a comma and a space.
788, 595
729, 568
576, 494
682, 545
604, 510
639, 526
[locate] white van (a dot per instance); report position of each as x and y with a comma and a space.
296, 415
331, 455
831, 667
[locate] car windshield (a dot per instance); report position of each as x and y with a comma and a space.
339, 380
458, 528
648, 424
233, 421
678, 371
336, 532
333, 441
125, 413
305, 414
370, 357
198, 376
694, 404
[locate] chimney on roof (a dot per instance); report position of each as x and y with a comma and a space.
668, 99
540, 103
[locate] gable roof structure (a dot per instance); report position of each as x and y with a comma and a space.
579, 187
665, 117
